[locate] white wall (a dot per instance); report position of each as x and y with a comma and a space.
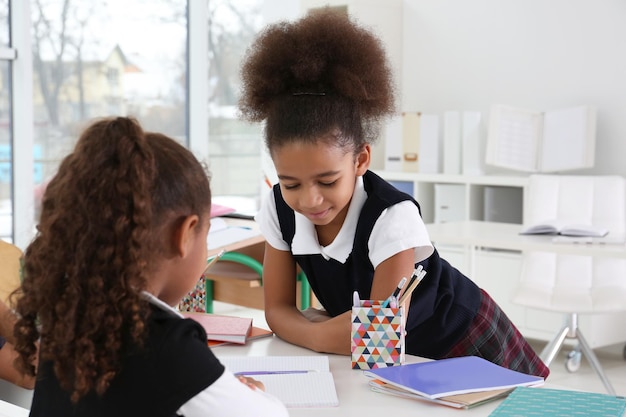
538, 54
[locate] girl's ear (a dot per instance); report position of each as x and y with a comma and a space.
363, 159
183, 235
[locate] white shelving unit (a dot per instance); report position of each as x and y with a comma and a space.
424, 185
497, 271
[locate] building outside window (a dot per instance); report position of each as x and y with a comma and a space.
93, 59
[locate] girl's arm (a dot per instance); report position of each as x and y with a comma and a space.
7, 322
9, 372
284, 318
229, 396
389, 273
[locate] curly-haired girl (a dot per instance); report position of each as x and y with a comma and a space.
121, 239
322, 85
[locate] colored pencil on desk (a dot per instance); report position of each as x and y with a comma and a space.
273, 372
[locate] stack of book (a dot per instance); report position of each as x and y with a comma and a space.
462, 382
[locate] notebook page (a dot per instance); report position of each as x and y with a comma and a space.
275, 363
315, 388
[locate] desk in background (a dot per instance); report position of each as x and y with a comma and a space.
235, 283
500, 244
479, 234
355, 397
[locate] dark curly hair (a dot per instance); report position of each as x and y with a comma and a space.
320, 76
100, 235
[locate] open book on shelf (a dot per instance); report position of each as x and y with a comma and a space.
563, 228
541, 141
452, 376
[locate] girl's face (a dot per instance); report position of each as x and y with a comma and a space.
180, 276
317, 180
198, 256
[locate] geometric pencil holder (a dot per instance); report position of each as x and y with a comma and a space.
195, 300
377, 335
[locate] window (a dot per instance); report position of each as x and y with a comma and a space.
6, 139
234, 146
83, 70
123, 57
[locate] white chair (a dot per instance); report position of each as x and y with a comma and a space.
574, 284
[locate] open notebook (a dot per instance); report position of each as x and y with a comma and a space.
297, 381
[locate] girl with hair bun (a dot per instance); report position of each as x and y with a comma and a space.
121, 239
322, 85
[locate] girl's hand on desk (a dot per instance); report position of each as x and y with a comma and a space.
315, 315
251, 382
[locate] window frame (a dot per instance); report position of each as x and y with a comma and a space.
22, 131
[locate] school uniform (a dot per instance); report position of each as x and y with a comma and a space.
176, 374
448, 315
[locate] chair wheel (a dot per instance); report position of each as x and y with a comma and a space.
572, 363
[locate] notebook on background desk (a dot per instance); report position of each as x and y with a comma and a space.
222, 233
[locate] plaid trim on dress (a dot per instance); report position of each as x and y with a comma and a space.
494, 337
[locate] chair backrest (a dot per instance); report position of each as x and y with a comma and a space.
10, 269
570, 283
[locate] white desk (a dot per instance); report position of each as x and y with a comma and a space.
506, 236
355, 397
478, 234
478, 238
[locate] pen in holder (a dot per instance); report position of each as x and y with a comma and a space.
377, 335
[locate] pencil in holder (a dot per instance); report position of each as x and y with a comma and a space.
377, 335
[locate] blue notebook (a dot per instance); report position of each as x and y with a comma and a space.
452, 376
544, 402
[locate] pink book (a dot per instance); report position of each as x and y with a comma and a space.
219, 210
223, 328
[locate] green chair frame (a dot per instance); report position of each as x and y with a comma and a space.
256, 266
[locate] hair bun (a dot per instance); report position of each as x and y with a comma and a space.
324, 52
